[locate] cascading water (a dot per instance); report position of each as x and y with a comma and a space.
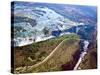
83, 53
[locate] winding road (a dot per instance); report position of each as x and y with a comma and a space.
58, 55
22, 69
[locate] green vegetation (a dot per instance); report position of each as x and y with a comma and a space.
60, 56
35, 53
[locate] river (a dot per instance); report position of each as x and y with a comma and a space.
77, 57
83, 53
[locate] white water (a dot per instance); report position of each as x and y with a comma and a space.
86, 43
26, 41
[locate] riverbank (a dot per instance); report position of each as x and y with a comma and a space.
90, 59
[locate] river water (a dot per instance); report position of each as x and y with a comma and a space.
83, 53
78, 56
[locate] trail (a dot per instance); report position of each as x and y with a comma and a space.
58, 55
50, 55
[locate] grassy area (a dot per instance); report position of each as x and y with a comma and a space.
32, 54
63, 54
